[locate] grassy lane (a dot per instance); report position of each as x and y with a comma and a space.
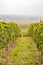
25, 52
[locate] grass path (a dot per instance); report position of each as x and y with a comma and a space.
25, 52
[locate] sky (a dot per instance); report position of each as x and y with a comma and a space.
21, 7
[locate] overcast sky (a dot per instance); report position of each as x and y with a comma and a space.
21, 7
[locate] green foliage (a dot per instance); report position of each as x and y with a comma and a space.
36, 32
8, 31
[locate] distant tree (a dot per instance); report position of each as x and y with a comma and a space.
40, 20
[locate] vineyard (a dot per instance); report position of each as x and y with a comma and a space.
21, 44
36, 32
8, 31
